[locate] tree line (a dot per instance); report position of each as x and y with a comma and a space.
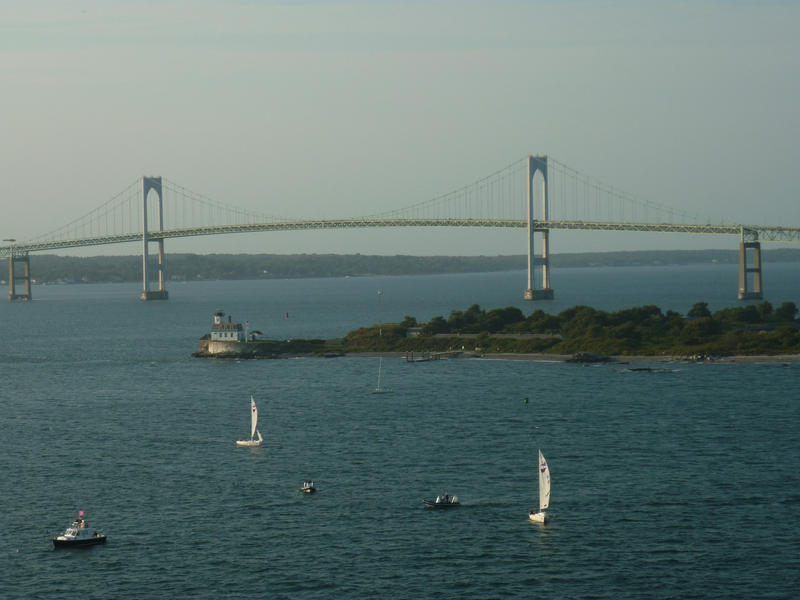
645, 330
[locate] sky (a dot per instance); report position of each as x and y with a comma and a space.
329, 109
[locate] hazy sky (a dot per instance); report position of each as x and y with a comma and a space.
335, 109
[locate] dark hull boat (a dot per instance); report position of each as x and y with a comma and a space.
442, 502
89, 541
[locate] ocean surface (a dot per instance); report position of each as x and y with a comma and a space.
674, 483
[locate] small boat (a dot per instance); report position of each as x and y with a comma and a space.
308, 487
253, 430
443, 501
379, 389
544, 492
78, 534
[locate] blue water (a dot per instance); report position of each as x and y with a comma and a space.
665, 485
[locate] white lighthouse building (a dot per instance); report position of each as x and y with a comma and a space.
226, 331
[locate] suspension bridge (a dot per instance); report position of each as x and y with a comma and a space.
536, 193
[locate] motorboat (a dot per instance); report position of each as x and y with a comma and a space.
79, 534
308, 487
443, 501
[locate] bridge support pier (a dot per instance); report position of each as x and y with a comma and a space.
152, 184
538, 163
744, 270
13, 275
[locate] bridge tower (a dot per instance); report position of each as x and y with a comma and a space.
538, 163
745, 270
22, 258
152, 184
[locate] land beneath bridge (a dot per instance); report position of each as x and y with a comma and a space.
50, 268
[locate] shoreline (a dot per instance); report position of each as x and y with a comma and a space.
618, 359
578, 357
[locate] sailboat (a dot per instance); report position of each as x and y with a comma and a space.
379, 389
544, 491
253, 430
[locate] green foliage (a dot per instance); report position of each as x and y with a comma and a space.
786, 312
436, 325
540, 322
408, 322
738, 314
381, 337
640, 330
699, 310
764, 311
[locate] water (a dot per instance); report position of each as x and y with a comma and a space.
665, 485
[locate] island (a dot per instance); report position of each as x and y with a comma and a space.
580, 333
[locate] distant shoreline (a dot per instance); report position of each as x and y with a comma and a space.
182, 267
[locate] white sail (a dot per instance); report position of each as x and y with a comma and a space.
253, 422
253, 417
544, 483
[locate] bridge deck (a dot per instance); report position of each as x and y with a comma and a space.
749, 232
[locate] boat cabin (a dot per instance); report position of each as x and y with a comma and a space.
79, 530
78, 526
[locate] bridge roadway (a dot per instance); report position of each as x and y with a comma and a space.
747, 232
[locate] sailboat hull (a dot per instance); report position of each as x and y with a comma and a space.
539, 517
248, 442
